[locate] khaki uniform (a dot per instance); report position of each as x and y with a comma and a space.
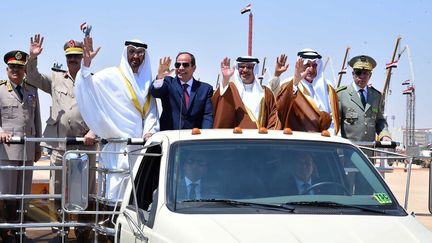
21, 118
65, 119
358, 123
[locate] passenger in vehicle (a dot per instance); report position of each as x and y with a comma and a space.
361, 110
306, 101
186, 102
243, 102
116, 103
193, 182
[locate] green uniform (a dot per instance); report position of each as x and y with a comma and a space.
360, 123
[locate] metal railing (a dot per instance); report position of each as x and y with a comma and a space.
98, 199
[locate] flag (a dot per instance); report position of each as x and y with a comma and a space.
86, 28
83, 27
392, 64
406, 82
246, 9
409, 90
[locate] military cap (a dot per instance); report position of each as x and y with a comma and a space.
73, 47
16, 57
362, 62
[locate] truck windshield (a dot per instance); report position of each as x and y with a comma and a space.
273, 172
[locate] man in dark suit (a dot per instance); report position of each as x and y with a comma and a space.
193, 184
186, 102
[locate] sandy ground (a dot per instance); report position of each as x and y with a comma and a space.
418, 192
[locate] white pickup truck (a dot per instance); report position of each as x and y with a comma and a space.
247, 187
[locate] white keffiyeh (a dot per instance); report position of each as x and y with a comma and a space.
107, 107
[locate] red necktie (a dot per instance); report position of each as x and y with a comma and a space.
186, 94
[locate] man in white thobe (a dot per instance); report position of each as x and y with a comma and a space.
115, 103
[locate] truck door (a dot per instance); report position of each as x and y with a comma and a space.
132, 222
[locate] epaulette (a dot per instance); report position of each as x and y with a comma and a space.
3, 82
341, 88
25, 81
54, 69
372, 87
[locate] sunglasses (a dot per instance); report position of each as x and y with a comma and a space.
184, 64
359, 72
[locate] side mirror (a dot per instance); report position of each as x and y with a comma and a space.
75, 181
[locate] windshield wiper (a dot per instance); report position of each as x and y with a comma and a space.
330, 204
243, 203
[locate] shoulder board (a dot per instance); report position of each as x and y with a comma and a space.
371, 87
3, 82
58, 70
25, 81
341, 88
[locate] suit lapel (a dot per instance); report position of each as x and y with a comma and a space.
355, 97
193, 92
369, 99
13, 92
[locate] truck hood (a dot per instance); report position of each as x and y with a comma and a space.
290, 228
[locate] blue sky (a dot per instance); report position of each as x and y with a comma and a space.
213, 30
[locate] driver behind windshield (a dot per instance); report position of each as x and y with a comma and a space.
303, 170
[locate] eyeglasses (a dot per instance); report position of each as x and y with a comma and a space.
359, 72
184, 64
244, 66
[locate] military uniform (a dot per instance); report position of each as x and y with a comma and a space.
65, 119
361, 118
19, 116
360, 123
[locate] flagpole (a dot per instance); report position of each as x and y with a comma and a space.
387, 81
250, 34
343, 69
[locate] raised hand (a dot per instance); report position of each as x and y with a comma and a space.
300, 71
89, 53
36, 45
280, 65
164, 67
227, 70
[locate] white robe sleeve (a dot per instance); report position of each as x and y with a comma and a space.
105, 106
